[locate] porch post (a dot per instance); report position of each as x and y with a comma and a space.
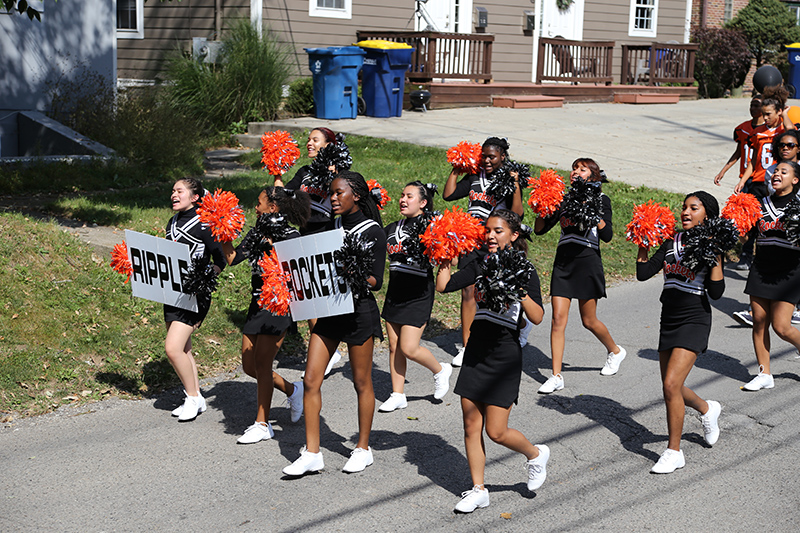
537, 24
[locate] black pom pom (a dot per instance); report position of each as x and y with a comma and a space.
332, 155
583, 205
504, 279
523, 171
791, 220
269, 227
502, 183
354, 263
413, 249
200, 279
703, 243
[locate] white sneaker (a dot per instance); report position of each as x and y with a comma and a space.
796, 316
203, 405
459, 358
744, 318
335, 358
295, 401
613, 361
397, 400
537, 467
441, 381
553, 383
192, 406
761, 381
256, 433
359, 460
709, 421
308, 462
473, 499
669, 461
524, 332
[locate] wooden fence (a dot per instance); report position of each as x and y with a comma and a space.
575, 61
658, 63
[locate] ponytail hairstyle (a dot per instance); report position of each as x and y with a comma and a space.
426, 192
515, 224
330, 137
775, 96
294, 205
591, 164
366, 201
194, 186
501, 144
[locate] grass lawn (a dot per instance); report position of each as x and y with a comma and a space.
71, 332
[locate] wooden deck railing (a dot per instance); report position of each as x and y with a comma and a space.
674, 63
443, 55
574, 61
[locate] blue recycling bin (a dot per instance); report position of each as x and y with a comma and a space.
793, 83
335, 72
383, 80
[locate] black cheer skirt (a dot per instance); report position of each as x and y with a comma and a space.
409, 299
685, 321
177, 314
775, 274
353, 328
578, 273
263, 322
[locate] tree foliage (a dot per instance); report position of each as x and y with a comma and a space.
722, 62
23, 8
767, 25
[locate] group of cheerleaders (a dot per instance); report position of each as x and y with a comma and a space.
491, 359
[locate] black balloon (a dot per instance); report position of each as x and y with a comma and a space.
767, 76
504, 279
791, 220
200, 279
703, 243
354, 263
583, 204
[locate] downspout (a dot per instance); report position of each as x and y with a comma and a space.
537, 24
704, 14
217, 19
687, 25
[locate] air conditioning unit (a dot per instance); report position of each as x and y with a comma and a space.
205, 50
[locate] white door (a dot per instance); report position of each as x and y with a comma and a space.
445, 15
566, 23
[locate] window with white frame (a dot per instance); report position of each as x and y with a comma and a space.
795, 9
130, 19
337, 9
643, 18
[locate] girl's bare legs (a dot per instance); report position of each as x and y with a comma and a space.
178, 346
675, 367
762, 317
588, 310
258, 353
320, 350
281, 384
497, 429
404, 343
472, 413
557, 329
361, 365
782, 323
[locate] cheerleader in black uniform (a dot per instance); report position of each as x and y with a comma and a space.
773, 280
685, 326
357, 212
481, 204
263, 331
578, 273
185, 227
409, 299
490, 377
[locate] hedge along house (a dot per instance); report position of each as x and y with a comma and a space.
507, 35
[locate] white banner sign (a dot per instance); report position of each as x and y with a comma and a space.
157, 265
317, 290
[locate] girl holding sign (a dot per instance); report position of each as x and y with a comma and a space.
185, 227
409, 296
263, 331
357, 213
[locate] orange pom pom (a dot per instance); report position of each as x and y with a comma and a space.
275, 295
652, 224
450, 235
465, 157
547, 193
222, 213
120, 261
380, 193
279, 152
744, 210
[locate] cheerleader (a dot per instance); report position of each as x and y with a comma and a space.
481, 204
578, 273
263, 331
185, 227
357, 213
489, 380
409, 298
320, 219
685, 326
772, 282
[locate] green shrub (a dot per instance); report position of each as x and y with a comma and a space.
766, 25
301, 97
723, 60
246, 84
